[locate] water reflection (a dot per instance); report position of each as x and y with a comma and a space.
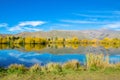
8, 57
64, 48
30, 54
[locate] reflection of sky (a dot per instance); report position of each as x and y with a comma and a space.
8, 57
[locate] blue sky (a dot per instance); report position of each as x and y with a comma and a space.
44, 15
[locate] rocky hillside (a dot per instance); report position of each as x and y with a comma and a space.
83, 34
54, 33
100, 34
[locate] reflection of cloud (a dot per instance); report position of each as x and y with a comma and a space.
2, 58
29, 55
25, 57
34, 60
15, 55
115, 58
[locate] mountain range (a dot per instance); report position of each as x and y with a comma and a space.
81, 34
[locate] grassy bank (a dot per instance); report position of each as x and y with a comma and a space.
64, 76
97, 67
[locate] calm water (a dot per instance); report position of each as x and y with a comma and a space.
43, 54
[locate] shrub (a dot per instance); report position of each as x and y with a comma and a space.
117, 66
17, 68
44, 69
35, 68
54, 67
73, 65
2, 69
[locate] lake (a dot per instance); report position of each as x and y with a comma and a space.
31, 54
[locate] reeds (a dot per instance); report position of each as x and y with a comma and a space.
97, 61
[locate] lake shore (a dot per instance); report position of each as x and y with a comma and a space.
95, 69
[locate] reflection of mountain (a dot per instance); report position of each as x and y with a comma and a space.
62, 50
81, 50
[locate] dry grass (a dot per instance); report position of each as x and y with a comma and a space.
35, 68
54, 67
16, 68
97, 61
73, 64
67, 76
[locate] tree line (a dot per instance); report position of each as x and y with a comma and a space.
56, 40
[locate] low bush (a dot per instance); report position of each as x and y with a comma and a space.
18, 68
54, 67
73, 65
35, 68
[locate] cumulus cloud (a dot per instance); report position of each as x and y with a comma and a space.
27, 25
31, 23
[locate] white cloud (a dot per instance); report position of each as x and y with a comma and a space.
98, 16
3, 25
32, 29
117, 12
115, 26
27, 26
85, 21
15, 28
62, 25
31, 23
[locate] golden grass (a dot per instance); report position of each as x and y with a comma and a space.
67, 76
54, 67
35, 68
73, 64
97, 61
16, 68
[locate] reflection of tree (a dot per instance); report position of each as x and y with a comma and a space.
34, 47
4, 46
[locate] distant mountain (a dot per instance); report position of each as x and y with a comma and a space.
100, 34
81, 34
4, 35
55, 33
